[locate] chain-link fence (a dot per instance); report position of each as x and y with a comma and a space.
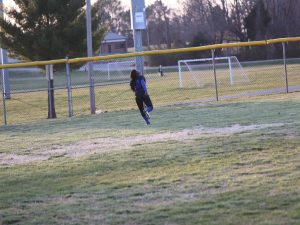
176, 78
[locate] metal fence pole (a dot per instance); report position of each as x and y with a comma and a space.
92, 87
3, 103
285, 68
215, 73
70, 103
180, 74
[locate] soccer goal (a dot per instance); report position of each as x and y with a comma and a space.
120, 69
112, 70
199, 72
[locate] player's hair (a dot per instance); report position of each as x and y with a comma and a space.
134, 74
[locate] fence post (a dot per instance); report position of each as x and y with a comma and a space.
180, 74
285, 68
51, 105
70, 103
230, 71
215, 73
108, 71
3, 99
92, 87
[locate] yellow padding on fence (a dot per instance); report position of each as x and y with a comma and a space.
33, 64
281, 40
148, 53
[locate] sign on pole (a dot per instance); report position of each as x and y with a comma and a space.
138, 22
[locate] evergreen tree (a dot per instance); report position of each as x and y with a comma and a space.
47, 29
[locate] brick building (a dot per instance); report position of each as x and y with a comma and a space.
113, 44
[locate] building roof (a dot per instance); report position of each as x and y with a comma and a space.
113, 37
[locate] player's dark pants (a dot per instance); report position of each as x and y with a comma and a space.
140, 99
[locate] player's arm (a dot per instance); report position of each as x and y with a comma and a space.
132, 85
143, 83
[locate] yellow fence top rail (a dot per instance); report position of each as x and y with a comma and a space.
148, 53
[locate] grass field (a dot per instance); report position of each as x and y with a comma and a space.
32, 106
232, 162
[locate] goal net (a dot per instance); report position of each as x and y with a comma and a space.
199, 72
120, 69
112, 71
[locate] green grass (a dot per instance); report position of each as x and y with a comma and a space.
32, 107
251, 177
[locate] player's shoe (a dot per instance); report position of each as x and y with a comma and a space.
147, 114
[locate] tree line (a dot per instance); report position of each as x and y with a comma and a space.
51, 29
202, 22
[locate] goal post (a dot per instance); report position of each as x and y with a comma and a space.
113, 70
120, 68
199, 72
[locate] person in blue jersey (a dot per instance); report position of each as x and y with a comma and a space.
139, 87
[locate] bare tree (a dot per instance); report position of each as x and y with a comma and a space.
240, 9
159, 24
285, 17
195, 19
217, 22
112, 15
257, 22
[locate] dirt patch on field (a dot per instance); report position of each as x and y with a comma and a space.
103, 145
14, 159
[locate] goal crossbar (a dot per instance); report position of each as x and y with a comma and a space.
227, 61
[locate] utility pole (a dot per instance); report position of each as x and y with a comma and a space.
3, 58
138, 23
90, 54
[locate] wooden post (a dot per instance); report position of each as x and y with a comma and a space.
51, 105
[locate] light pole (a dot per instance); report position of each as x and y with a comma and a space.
3, 58
90, 54
138, 23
